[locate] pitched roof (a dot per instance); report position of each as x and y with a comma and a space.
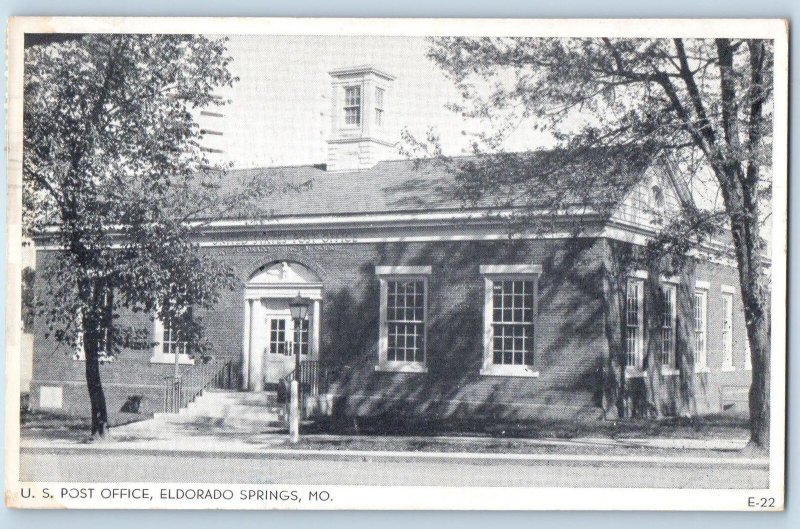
389, 186
424, 185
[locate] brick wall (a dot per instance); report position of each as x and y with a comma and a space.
711, 389
718, 387
569, 332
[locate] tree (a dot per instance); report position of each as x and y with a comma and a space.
114, 172
704, 106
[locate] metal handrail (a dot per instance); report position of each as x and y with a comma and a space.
313, 381
180, 391
313, 377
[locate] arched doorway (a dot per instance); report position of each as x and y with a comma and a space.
270, 341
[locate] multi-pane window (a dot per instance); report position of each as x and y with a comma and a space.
277, 336
405, 320
352, 105
634, 330
172, 336
509, 319
301, 337
727, 331
512, 322
379, 106
668, 325
173, 340
657, 197
700, 328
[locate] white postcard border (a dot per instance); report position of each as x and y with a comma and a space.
415, 497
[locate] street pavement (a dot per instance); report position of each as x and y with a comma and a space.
94, 464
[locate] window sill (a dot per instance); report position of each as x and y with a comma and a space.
639, 373
103, 359
728, 369
701, 370
509, 371
401, 367
170, 359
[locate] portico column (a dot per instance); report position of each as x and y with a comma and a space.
315, 325
246, 343
256, 348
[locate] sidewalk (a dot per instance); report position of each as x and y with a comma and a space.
210, 447
211, 442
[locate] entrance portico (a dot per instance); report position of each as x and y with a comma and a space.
271, 340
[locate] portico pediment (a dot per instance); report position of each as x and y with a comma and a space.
284, 273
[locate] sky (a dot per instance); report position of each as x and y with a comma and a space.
279, 112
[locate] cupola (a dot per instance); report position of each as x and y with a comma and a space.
360, 101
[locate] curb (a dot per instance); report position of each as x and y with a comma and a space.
658, 444
367, 455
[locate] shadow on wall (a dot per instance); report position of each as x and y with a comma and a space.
351, 326
569, 335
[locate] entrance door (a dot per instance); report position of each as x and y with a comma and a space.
283, 341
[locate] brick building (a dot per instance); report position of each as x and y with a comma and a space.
418, 305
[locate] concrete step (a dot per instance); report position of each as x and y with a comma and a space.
238, 413
223, 409
219, 400
168, 426
230, 409
207, 424
239, 397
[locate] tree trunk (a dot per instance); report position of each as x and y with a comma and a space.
91, 323
653, 317
97, 397
757, 321
741, 202
685, 341
759, 388
739, 183
613, 380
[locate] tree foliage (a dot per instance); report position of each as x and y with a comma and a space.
704, 106
116, 175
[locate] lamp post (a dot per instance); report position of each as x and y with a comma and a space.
298, 307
